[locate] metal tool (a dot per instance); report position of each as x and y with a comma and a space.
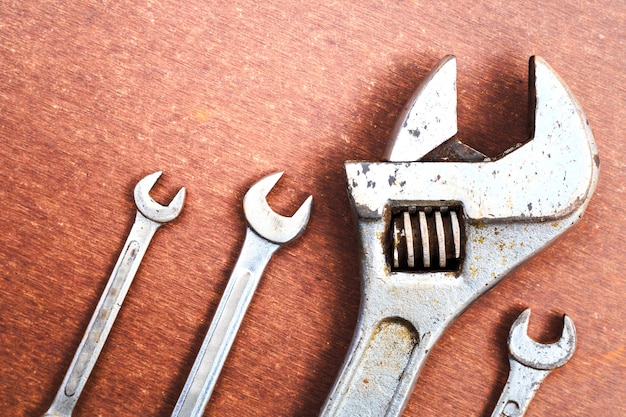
531, 363
150, 216
265, 233
440, 224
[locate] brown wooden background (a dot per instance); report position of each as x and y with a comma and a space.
217, 94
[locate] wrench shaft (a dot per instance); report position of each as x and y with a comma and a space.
522, 385
255, 255
370, 385
104, 316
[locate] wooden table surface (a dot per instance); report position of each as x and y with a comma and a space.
96, 95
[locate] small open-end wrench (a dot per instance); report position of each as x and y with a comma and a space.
440, 224
531, 363
265, 233
150, 216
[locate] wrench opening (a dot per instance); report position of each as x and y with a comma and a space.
265, 221
150, 208
540, 355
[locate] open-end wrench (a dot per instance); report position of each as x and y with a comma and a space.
150, 216
265, 233
531, 363
440, 224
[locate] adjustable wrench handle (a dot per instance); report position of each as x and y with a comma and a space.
521, 387
379, 372
255, 254
104, 316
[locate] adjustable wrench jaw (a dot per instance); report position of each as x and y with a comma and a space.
419, 270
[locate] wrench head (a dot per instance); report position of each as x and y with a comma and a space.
539, 355
432, 214
266, 222
150, 208
548, 177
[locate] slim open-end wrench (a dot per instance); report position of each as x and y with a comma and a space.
150, 216
440, 224
265, 233
531, 363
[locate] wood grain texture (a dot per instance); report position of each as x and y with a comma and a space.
95, 95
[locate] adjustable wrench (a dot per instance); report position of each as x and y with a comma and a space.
531, 363
150, 216
265, 233
440, 224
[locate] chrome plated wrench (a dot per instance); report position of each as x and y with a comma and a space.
440, 224
150, 216
531, 363
266, 232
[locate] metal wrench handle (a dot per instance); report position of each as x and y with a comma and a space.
104, 316
255, 254
374, 379
521, 387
